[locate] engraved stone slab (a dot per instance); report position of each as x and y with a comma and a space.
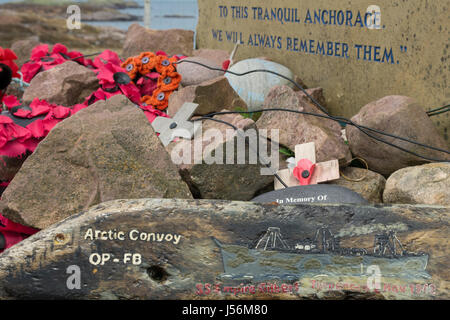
357, 51
206, 249
311, 194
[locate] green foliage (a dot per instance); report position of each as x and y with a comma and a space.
286, 151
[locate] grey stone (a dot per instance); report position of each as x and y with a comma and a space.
297, 129
368, 184
104, 152
209, 173
396, 115
23, 48
66, 84
425, 184
211, 96
172, 41
217, 56
194, 74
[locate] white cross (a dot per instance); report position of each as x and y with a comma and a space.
324, 171
178, 126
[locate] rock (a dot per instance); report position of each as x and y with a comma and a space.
212, 96
254, 87
298, 128
215, 55
370, 188
300, 82
401, 116
223, 180
315, 93
14, 89
110, 34
203, 241
172, 41
66, 84
10, 166
14, 24
104, 152
23, 48
194, 74
425, 184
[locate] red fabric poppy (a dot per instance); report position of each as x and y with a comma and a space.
14, 232
14, 140
106, 57
42, 59
11, 102
151, 113
148, 84
109, 86
6, 57
226, 65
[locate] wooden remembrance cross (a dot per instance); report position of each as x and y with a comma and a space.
312, 174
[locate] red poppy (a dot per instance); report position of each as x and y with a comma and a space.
14, 140
13, 232
151, 113
113, 80
11, 101
6, 57
104, 58
42, 59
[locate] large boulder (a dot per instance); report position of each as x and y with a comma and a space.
368, 184
66, 84
299, 128
425, 184
400, 116
209, 173
172, 41
212, 96
195, 74
104, 152
207, 249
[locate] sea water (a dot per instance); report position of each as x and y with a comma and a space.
162, 14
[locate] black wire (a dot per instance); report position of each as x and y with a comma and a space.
339, 119
86, 55
261, 70
437, 109
435, 112
328, 116
249, 145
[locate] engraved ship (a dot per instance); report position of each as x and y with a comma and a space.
274, 258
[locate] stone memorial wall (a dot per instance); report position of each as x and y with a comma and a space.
358, 51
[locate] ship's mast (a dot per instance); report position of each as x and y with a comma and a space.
271, 239
326, 239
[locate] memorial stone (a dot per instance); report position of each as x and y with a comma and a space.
358, 51
209, 249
